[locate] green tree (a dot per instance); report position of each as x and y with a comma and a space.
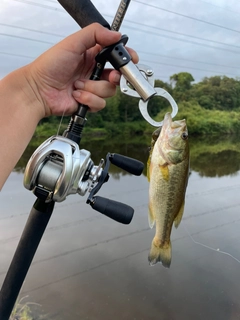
128, 108
218, 92
182, 83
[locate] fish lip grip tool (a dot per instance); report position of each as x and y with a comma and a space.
137, 80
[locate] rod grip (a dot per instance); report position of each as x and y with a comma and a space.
83, 12
117, 211
130, 165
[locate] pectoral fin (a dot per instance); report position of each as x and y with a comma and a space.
179, 215
148, 168
164, 171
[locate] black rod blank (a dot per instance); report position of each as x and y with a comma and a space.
28, 244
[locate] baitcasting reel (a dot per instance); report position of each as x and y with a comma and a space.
59, 168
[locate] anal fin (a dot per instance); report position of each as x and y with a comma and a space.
179, 215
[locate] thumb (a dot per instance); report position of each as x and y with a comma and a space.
89, 36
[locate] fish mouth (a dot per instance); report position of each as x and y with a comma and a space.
172, 130
168, 122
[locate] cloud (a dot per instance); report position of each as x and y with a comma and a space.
167, 35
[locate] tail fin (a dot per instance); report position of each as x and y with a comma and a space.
160, 254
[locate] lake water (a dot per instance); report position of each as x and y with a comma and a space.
90, 267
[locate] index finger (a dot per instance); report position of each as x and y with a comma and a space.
133, 54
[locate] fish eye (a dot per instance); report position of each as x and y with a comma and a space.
184, 135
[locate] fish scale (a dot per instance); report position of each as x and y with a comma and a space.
169, 208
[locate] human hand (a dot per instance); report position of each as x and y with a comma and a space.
59, 77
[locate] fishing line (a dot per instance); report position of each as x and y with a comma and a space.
208, 247
61, 120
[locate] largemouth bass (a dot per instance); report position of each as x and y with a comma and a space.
168, 171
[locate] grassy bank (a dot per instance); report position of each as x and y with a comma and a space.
200, 121
110, 129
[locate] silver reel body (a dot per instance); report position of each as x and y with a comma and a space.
57, 168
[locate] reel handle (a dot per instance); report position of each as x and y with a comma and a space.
115, 210
130, 165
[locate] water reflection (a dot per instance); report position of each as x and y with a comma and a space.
211, 156
89, 267
215, 156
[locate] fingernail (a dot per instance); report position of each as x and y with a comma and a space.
79, 84
76, 93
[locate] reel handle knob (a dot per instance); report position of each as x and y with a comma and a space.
130, 165
117, 211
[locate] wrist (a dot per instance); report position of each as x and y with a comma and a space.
30, 90
20, 113
18, 91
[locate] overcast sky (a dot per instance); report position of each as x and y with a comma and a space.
171, 36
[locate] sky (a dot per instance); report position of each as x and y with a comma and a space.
170, 36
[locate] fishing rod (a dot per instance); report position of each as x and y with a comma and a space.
59, 167
56, 150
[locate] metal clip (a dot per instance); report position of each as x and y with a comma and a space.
144, 104
128, 85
